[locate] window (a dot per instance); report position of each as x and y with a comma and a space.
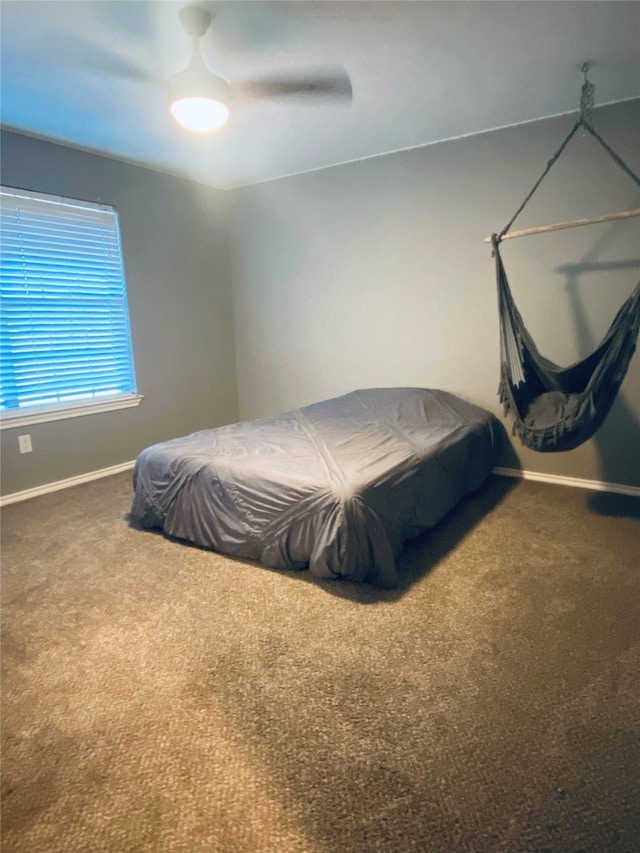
65, 337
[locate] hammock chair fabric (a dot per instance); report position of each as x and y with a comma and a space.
558, 408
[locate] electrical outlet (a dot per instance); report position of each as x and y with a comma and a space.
24, 442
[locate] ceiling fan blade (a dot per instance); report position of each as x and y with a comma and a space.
309, 83
92, 58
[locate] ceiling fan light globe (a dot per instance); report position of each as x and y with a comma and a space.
199, 114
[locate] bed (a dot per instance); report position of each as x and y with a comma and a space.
337, 487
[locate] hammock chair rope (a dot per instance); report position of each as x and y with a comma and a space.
548, 168
558, 408
584, 121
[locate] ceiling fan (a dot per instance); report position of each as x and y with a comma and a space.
201, 100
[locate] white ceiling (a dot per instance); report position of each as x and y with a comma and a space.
421, 72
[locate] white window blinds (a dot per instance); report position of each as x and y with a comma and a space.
64, 320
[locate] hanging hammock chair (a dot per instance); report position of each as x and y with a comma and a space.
558, 408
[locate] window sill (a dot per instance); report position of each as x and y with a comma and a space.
71, 410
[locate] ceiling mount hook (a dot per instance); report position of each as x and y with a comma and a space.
586, 98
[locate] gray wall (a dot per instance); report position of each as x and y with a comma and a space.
369, 274
176, 258
375, 273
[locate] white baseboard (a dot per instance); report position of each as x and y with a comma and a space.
64, 484
595, 485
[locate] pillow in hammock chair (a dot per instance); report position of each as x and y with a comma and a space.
550, 409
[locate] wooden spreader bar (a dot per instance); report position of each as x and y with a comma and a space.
575, 223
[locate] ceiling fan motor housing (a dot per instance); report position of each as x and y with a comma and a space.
197, 81
196, 20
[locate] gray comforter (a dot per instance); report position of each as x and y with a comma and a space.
337, 486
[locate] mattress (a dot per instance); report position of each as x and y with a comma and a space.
337, 487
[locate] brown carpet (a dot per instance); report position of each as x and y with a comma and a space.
160, 698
